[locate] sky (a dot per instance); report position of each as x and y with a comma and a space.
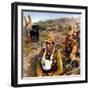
42, 16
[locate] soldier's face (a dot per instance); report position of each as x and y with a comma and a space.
48, 46
70, 37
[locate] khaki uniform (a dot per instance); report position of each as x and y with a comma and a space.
53, 58
57, 66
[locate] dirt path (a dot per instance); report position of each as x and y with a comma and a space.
29, 64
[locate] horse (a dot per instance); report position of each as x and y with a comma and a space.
31, 31
34, 33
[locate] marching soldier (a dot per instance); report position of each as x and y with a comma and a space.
50, 62
70, 58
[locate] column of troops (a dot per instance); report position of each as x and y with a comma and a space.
55, 60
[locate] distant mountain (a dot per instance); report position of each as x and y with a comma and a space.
59, 22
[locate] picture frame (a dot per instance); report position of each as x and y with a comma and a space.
48, 13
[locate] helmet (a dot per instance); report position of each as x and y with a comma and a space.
50, 38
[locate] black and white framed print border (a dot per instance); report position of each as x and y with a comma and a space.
16, 41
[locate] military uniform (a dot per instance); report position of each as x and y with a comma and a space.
56, 68
70, 53
56, 65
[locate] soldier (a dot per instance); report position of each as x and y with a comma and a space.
70, 52
50, 62
68, 45
27, 26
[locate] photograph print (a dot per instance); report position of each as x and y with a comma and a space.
51, 44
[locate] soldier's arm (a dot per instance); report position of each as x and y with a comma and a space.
39, 71
59, 63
